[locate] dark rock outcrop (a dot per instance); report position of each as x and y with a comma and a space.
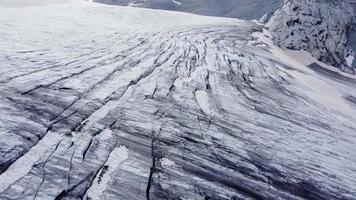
321, 27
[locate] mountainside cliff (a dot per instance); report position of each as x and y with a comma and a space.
321, 27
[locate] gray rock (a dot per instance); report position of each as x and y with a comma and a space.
319, 27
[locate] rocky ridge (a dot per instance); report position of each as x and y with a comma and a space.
321, 27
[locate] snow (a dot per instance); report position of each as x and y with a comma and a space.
223, 101
102, 181
322, 91
305, 58
350, 60
32, 3
167, 163
177, 2
106, 134
23, 165
112, 20
202, 98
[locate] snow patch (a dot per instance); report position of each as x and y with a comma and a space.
32, 3
104, 177
167, 163
106, 134
23, 165
202, 98
322, 91
306, 59
350, 60
177, 2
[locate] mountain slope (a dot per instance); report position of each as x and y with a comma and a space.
106, 102
243, 9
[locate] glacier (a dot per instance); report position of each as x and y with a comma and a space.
109, 102
325, 28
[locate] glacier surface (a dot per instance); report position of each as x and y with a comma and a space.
108, 102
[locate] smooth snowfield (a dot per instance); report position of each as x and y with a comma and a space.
33, 3
107, 102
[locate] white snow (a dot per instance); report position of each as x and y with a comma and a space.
76, 25
202, 98
31, 3
350, 60
305, 58
106, 134
24, 164
167, 163
34, 23
320, 90
117, 156
177, 2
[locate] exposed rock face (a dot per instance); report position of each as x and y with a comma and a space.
321, 27
352, 39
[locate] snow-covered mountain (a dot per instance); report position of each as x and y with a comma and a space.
321, 27
243, 9
103, 102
